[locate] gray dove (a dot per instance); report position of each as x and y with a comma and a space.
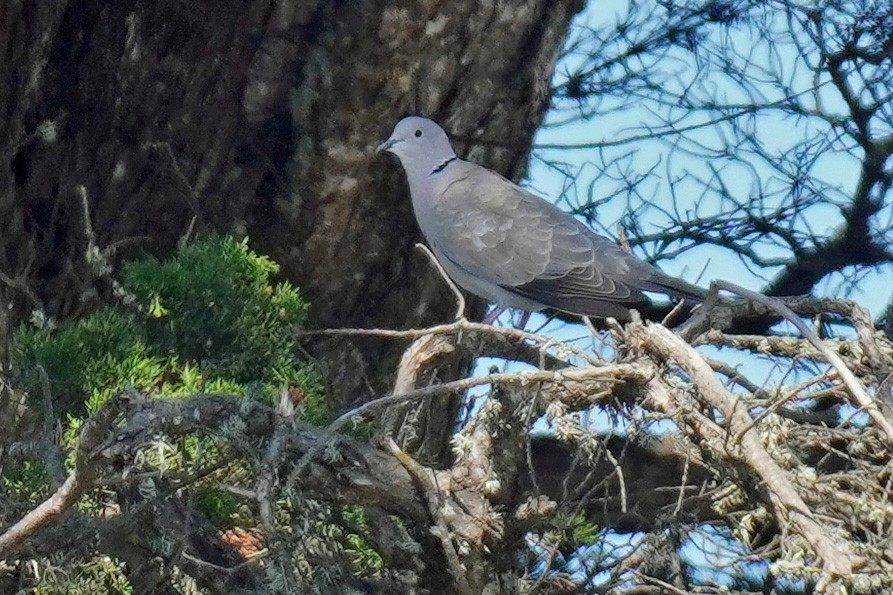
511, 247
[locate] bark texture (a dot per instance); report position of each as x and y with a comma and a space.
131, 125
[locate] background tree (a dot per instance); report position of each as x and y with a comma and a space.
164, 120
134, 128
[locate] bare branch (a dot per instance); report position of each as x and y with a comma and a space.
860, 395
837, 556
92, 436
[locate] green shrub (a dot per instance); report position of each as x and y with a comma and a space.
101, 352
206, 319
209, 319
212, 304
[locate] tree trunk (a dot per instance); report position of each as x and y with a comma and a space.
131, 125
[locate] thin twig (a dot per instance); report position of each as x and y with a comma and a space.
456, 327
620, 479
460, 299
618, 372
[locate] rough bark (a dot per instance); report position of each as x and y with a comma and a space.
166, 119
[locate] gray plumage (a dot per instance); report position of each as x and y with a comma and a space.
512, 247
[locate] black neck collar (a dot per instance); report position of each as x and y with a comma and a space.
442, 165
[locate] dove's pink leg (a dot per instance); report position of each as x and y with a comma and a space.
493, 314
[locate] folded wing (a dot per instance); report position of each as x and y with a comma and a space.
498, 232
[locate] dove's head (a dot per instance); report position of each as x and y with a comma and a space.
421, 145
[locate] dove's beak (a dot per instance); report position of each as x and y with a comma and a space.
386, 146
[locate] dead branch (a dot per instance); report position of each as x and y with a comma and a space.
836, 554
858, 392
266, 493
497, 471
426, 480
81, 478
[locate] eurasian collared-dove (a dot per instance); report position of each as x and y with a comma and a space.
512, 247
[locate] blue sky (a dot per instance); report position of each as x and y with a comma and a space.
777, 134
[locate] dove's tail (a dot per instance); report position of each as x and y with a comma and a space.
674, 287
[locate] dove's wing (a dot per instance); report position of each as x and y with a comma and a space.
499, 233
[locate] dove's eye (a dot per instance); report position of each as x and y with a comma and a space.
418, 133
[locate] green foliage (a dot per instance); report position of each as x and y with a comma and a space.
91, 356
365, 560
313, 407
213, 304
207, 319
350, 530
26, 482
219, 507
98, 576
570, 530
